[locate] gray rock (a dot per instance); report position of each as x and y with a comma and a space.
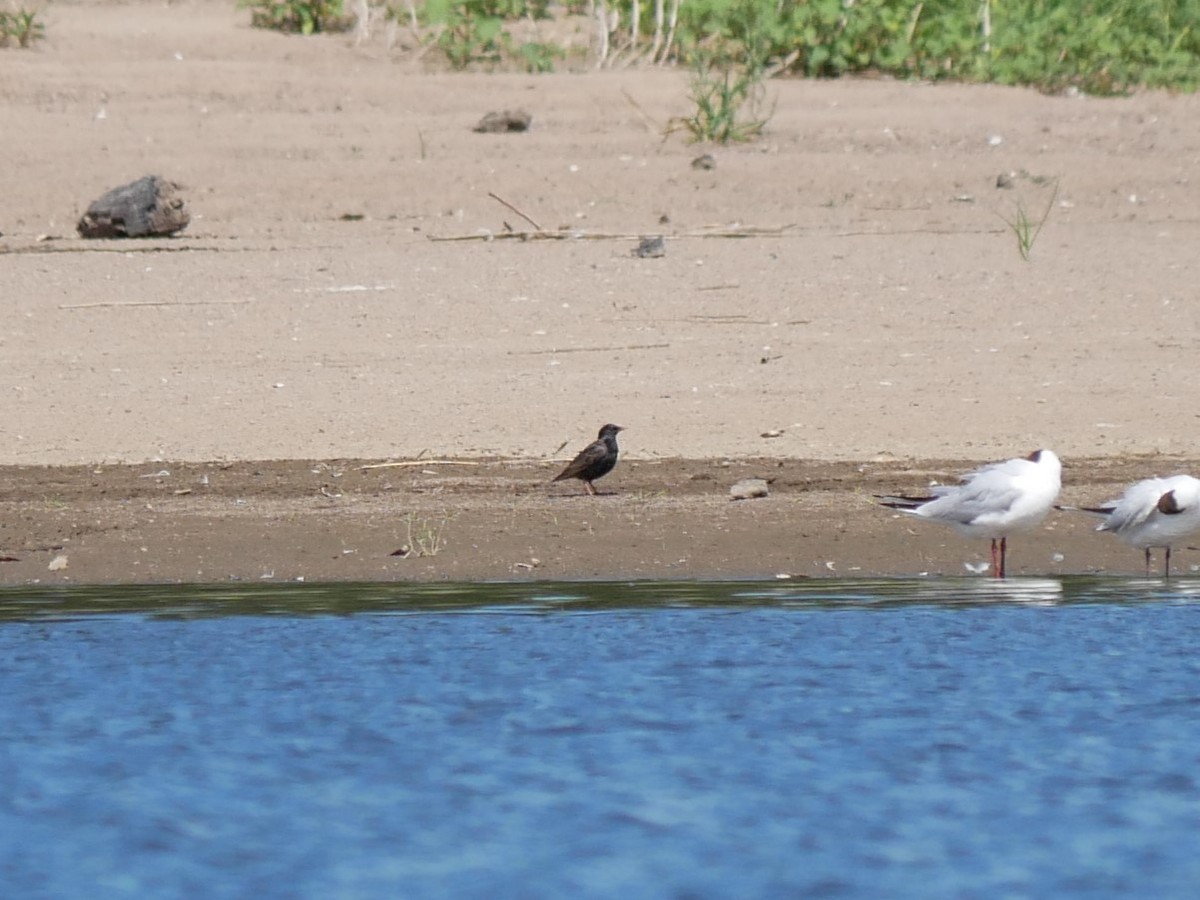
651, 248
147, 207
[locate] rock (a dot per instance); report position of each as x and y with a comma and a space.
705, 161
651, 248
748, 489
147, 207
504, 121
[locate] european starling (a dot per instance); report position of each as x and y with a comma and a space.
595, 460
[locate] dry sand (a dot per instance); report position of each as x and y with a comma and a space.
873, 313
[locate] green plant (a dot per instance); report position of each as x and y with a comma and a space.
298, 16
21, 27
472, 31
469, 31
539, 57
730, 68
1025, 229
727, 96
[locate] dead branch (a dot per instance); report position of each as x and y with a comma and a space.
587, 349
103, 305
504, 202
748, 232
408, 463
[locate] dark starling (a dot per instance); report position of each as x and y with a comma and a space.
595, 460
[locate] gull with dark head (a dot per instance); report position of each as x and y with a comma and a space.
1155, 512
992, 502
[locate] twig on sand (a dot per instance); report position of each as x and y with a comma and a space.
504, 202
748, 232
587, 349
112, 304
651, 125
124, 246
419, 462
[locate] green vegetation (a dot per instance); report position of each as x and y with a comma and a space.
727, 96
1025, 229
1098, 46
298, 16
471, 32
537, 57
20, 28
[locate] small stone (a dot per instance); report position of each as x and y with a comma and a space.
704, 161
651, 248
749, 489
504, 121
1004, 180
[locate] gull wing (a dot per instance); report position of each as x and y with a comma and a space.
979, 499
1134, 507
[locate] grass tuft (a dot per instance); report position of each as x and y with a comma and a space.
21, 28
426, 538
727, 98
1025, 228
298, 16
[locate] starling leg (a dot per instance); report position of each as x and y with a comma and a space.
590, 488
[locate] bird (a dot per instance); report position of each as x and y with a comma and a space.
1154, 512
993, 501
595, 460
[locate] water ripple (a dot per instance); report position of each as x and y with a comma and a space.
339, 599
940, 737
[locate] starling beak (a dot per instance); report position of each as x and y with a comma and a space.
595, 460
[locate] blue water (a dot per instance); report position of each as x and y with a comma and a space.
942, 738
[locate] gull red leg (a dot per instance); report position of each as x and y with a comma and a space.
1147, 562
1003, 554
997, 563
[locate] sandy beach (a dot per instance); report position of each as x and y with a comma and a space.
841, 309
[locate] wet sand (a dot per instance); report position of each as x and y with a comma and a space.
502, 520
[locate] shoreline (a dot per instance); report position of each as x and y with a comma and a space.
472, 520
